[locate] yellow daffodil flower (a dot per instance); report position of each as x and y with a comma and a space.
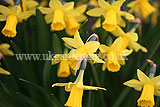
64, 68
129, 40
72, 22
155, 15
64, 16
112, 14
149, 88
57, 13
12, 16
4, 50
113, 55
81, 49
76, 90
141, 8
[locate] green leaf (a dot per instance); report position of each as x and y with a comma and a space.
57, 49
43, 34
44, 96
46, 74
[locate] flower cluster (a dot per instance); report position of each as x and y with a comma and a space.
111, 18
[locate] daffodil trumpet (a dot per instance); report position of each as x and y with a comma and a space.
64, 16
114, 55
112, 14
64, 67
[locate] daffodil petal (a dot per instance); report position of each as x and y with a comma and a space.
92, 46
15, 9
45, 10
70, 42
4, 46
90, 87
121, 22
59, 84
78, 39
121, 60
3, 17
54, 61
55, 4
2, 71
68, 6
7, 52
80, 18
81, 9
72, 13
118, 32
4, 10
137, 85
103, 48
157, 87
132, 36
68, 86
117, 4
96, 59
103, 4
76, 42
127, 15
157, 93
142, 77
25, 15
156, 80
31, 4
125, 52
117, 44
135, 46
97, 12
48, 18
104, 66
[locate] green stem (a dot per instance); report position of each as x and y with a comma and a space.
127, 90
90, 95
97, 83
95, 74
134, 28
